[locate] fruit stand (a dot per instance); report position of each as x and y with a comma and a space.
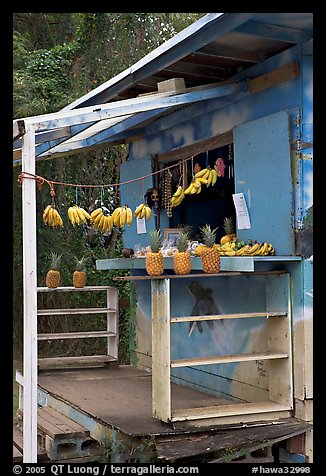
225, 171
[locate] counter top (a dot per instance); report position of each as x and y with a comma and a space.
228, 263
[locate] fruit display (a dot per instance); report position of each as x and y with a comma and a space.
182, 257
79, 276
154, 257
177, 197
240, 248
53, 275
143, 211
122, 216
78, 215
210, 254
101, 221
208, 174
229, 230
51, 217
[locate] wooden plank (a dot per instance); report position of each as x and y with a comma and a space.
74, 335
232, 419
55, 417
275, 77
195, 275
227, 410
304, 409
224, 359
44, 289
228, 316
112, 299
29, 297
279, 339
84, 359
17, 456
161, 385
18, 129
87, 310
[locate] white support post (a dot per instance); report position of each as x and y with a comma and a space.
30, 298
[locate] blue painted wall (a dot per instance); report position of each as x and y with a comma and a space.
286, 180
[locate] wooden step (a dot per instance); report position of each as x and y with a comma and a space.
227, 410
46, 362
243, 315
74, 335
18, 445
225, 359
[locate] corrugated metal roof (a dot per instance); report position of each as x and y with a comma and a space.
209, 53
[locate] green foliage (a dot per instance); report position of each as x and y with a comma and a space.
57, 58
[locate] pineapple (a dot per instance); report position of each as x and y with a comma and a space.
228, 230
53, 275
79, 276
154, 257
182, 258
210, 255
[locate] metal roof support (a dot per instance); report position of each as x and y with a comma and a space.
30, 298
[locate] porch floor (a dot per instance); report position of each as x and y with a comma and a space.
120, 400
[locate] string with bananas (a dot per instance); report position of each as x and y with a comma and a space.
78, 215
143, 211
51, 217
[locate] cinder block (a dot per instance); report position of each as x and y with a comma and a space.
295, 444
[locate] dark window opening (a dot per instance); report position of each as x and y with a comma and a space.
213, 203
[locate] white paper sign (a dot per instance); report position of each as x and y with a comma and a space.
241, 209
141, 226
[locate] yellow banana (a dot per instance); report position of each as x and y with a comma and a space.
201, 180
201, 173
116, 216
143, 211
214, 175
207, 175
109, 223
230, 253
178, 191
129, 216
71, 215
85, 213
97, 219
95, 213
138, 210
80, 215
100, 224
123, 217
148, 212
189, 189
254, 248
45, 213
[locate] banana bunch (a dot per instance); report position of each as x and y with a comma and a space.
78, 215
178, 196
122, 216
143, 211
100, 221
51, 217
256, 249
209, 175
227, 249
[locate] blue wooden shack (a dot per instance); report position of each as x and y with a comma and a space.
234, 86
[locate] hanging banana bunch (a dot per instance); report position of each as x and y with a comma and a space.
51, 217
77, 215
143, 211
122, 216
101, 220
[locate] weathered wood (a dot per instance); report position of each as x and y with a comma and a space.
195, 275
112, 299
304, 409
74, 335
46, 362
45, 289
227, 410
275, 77
18, 129
87, 310
224, 359
176, 448
17, 456
161, 385
279, 339
228, 316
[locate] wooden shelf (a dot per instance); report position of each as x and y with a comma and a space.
225, 359
45, 289
227, 410
75, 335
84, 359
196, 275
87, 310
243, 315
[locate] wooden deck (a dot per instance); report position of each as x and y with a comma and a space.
119, 401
